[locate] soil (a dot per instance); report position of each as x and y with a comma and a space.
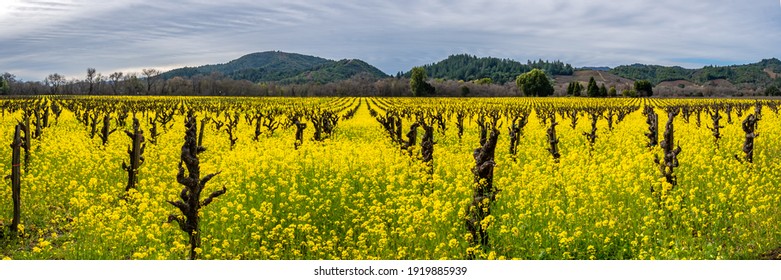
770, 73
774, 254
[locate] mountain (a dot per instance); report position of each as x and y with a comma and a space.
336, 71
468, 67
292, 68
760, 73
275, 66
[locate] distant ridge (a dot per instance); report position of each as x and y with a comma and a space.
469, 67
293, 68
760, 73
282, 67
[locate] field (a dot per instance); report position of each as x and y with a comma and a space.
351, 184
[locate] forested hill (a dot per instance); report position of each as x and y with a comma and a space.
275, 66
760, 73
468, 67
336, 71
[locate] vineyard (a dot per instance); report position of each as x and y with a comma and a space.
389, 178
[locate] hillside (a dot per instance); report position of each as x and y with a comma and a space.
758, 74
292, 68
275, 66
583, 76
336, 71
468, 67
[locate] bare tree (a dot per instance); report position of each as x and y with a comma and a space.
54, 81
99, 83
90, 80
152, 75
179, 86
115, 77
132, 84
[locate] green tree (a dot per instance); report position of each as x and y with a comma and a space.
612, 92
4, 88
592, 90
644, 88
574, 89
484, 81
578, 89
418, 84
602, 91
772, 91
464, 91
534, 83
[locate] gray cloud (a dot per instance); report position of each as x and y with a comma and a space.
67, 36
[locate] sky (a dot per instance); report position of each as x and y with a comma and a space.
38, 38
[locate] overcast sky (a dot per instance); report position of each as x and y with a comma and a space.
38, 38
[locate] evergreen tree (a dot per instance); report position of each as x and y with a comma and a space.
772, 91
644, 88
602, 91
592, 90
578, 89
574, 88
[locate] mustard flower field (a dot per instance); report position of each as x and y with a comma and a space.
389, 178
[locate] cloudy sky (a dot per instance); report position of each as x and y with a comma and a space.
38, 38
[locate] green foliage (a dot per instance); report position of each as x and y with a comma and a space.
653, 73
574, 89
468, 68
602, 91
577, 89
464, 91
281, 67
5, 89
484, 81
612, 92
772, 91
336, 71
709, 73
534, 83
644, 88
418, 84
736, 74
629, 93
592, 90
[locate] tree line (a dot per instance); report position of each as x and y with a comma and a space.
150, 82
466, 67
754, 73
